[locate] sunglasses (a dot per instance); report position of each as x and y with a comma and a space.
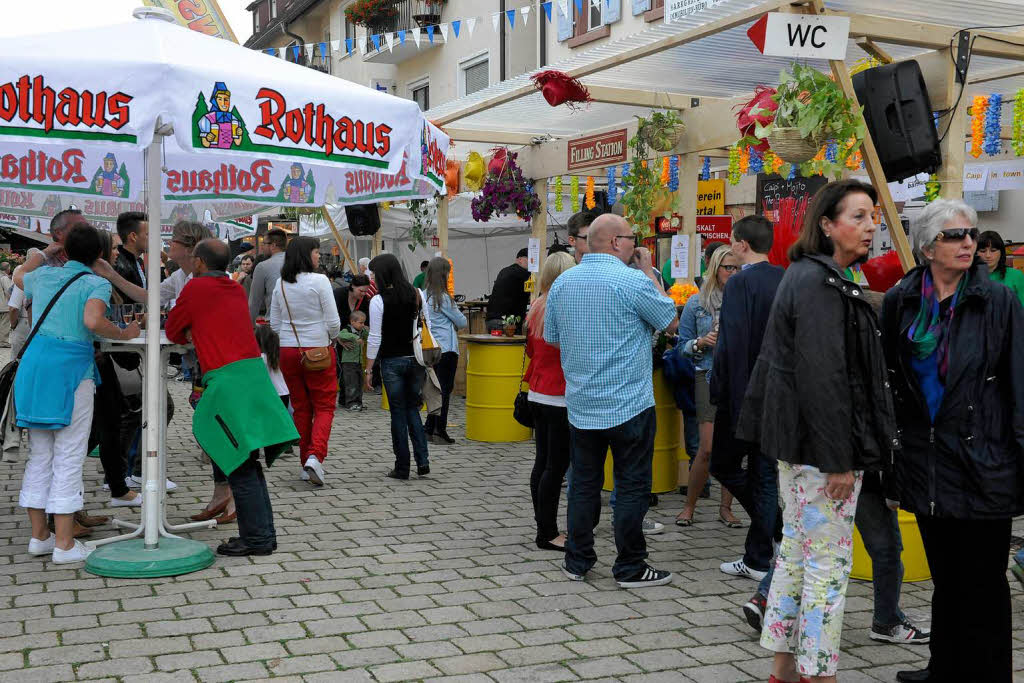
958, 234
729, 269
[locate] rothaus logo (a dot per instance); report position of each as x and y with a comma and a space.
38, 167
228, 178
30, 99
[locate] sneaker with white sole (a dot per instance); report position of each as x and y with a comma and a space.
904, 632
572, 576
315, 469
122, 503
740, 568
303, 474
139, 482
648, 576
76, 553
651, 528
45, 547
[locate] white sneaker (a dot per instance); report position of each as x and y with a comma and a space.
739, 568
139, 482
303, 474
37, 547
122, 503
651, 528
76, 553
315, 470
131, 482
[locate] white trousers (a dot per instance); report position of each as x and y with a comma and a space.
53, 473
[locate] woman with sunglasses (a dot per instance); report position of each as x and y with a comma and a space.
698, 332
958, 387
992, 252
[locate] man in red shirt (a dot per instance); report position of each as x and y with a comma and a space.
212, 312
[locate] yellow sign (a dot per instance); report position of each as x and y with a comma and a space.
711, 197
199, 15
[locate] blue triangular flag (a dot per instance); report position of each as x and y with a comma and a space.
511, 18
272, 51
323, 51
295, 51
547, 9
401, 36
457, 24
348, 46
430, 32
376, 41
579, 6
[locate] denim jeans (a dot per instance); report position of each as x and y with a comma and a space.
252, 502
403, 380
879, 528
632, 446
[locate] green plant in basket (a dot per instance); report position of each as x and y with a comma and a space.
645, 197
661, 132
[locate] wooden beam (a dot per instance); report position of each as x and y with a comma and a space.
712, 125
442, 225
952, 128
337, 236
932, 36
871, 161
688, 207
996, 75
642, 98
872, 49
638, 52
539, 230
491, 137
937, 69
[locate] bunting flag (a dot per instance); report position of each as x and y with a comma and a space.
390, 37
295, 52
401, 37
323, 53
547, 9
430, 33
444, 31
579, 6
335, 45
456, 25
416, 35
376, 41
471, 25
495, 18
511, 14
525, 11
348, 46
272, 51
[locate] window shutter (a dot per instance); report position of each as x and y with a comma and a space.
612, 11
564, 21
476, 77
641, 6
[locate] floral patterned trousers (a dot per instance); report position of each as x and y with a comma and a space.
808, 594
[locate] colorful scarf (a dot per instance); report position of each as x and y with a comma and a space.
929, 333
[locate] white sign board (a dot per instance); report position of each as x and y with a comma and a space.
802, 35
676, 10
1006, 176
975, 177
533, 255
680, 257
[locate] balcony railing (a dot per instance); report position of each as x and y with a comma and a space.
411, 13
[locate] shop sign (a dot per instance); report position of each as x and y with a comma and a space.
605, 149
801, 35
715, 228
677, 10
711, 197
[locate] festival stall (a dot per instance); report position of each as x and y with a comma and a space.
190, 118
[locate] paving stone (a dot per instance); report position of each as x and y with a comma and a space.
39, 674
232, 672
523, 656
465, 664
602, 666
129, 666
540, 673
403, 671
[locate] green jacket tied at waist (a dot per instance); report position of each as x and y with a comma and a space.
239, 413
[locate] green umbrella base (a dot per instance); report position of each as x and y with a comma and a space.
130, 559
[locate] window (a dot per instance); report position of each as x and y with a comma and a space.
273, 9
421, 95
476, 76
256, 20
348, 33
594, 16
588, 23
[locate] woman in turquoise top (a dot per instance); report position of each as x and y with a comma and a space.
445, 321
992, 251
54, 388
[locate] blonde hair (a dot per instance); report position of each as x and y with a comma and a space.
554, 265
710, 290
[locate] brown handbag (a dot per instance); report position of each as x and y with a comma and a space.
313, 359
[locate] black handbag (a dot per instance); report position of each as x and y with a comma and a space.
521, 407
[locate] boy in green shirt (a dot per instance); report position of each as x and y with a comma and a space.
352, 339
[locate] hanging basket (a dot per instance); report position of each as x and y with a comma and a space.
663, 138
791, 147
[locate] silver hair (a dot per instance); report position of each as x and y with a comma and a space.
927, 225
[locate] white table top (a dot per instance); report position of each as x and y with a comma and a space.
140, 341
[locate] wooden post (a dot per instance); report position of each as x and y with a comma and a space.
378, 243
688, 207
539, 228
341, 243
442, 225
954, 150
892, 217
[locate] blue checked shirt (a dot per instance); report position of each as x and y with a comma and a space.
602, 314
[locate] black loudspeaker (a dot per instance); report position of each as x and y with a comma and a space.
899, 117
363, 219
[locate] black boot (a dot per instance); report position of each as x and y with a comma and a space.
920, 676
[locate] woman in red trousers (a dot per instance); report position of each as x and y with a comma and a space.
305, 316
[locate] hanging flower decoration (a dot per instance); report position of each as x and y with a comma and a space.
1018, 123
931, 188
505, 193
992, 144
664, 172
978, 111
756, 161
772, 162
558, 193
744, 160
680, 293
613, 191
854, 159
574, 193
734, 165
590, 201
673, 173
705, 171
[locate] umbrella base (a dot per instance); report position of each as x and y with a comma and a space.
130, 559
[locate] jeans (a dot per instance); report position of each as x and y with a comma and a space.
403, 380
756, 488
314, 397
352, 384
880, 530
445, 371
551, 428
252, 502
971, 612
106, 430
632, 446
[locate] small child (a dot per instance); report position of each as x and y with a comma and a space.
270, 349
352, 360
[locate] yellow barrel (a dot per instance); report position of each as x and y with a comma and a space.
493, 373
915, 563
665, 468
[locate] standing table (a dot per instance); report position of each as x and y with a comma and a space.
493, 377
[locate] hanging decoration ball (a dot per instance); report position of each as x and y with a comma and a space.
1017, 141
574, 193
705, 171
993, 117
734, 165
673, 173
590, 201
756, 161
558, 193
613, 191
745, 160
978, 111
931, 188
664, 172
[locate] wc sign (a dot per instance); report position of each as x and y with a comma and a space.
801, 35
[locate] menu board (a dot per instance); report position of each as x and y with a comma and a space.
772, 188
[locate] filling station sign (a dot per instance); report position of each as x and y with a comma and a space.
605, 149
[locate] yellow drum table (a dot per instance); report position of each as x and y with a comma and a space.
665, 468
915, 563
493, 373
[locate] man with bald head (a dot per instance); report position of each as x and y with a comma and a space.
602, 315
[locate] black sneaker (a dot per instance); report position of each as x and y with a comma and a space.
754, 611
648, 576
395, 475
904, 632
423, 471
571, 575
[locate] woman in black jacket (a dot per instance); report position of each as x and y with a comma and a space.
818, 404
953, 345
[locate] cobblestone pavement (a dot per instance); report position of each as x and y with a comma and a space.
380, 580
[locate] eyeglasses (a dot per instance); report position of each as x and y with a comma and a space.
729, 269
957, 234
578, 237
615, 240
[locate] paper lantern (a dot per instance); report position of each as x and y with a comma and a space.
883, 272
473, 176
497, 164
451, 177
559, 88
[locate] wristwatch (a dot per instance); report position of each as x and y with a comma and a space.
696, 346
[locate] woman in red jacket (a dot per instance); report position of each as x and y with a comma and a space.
547, 403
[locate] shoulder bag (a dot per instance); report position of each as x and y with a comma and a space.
313, 359
426, 350
521, 407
